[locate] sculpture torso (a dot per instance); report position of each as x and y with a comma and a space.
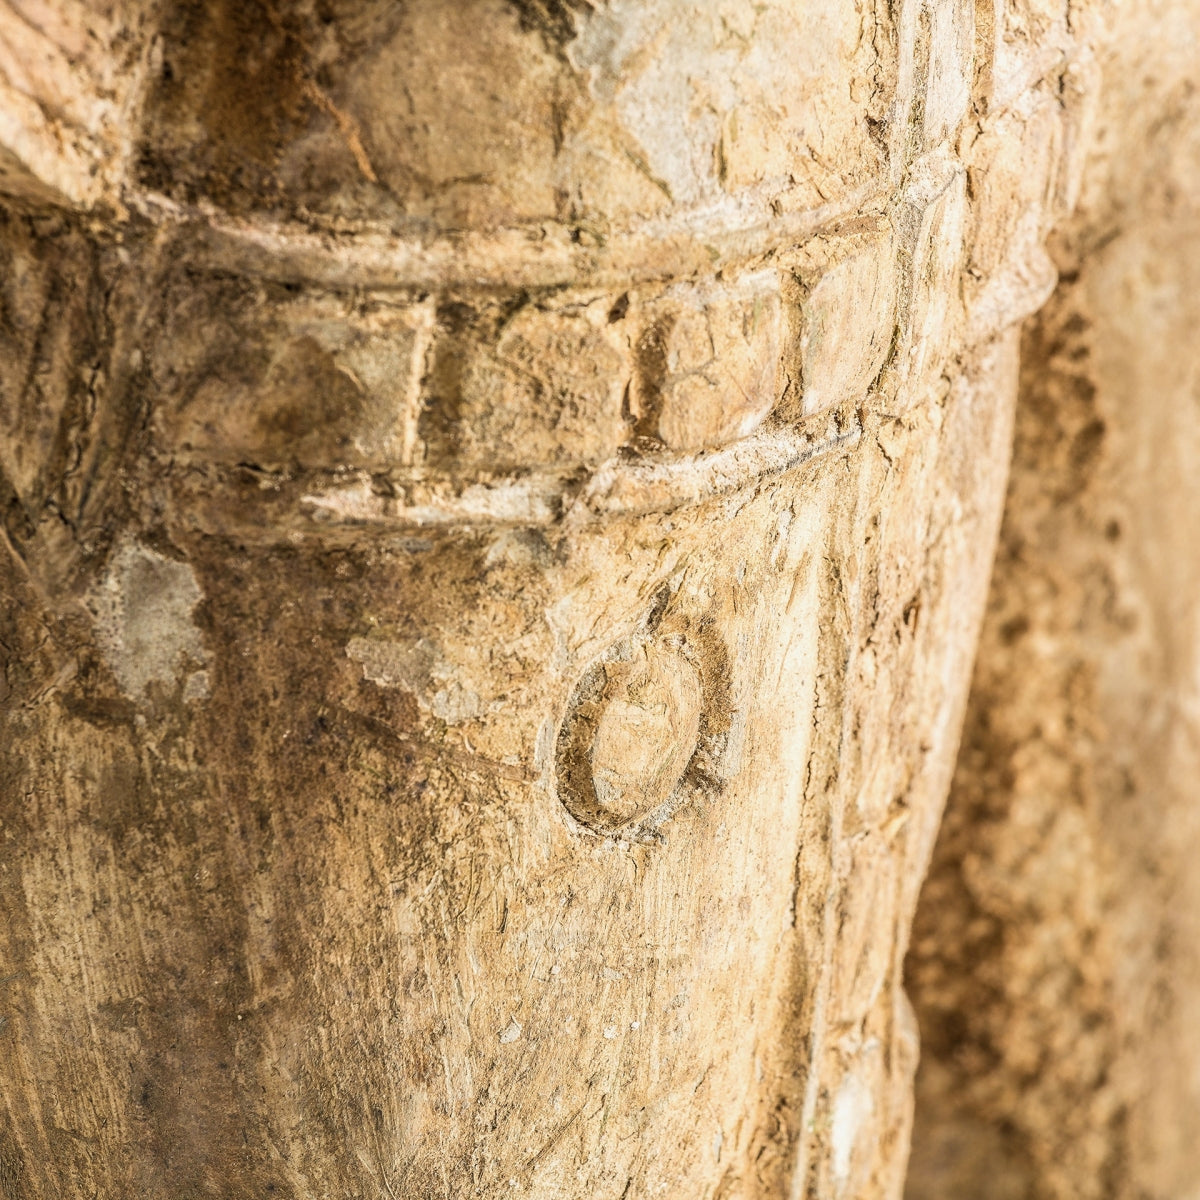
510, 497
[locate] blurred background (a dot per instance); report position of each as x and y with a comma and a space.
1055, 964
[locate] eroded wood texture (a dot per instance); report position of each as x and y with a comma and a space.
499, 499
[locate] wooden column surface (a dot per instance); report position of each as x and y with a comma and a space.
499, 498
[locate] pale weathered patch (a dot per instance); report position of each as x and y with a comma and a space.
143, 618
420, 669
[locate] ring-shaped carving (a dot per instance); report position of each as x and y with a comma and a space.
646, 727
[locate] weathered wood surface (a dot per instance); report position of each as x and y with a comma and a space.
499, 500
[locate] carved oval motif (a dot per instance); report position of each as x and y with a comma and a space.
643, 733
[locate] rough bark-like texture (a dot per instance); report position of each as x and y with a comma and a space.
1056, 964
499, 499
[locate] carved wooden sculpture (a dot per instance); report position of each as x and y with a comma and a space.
499, 497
